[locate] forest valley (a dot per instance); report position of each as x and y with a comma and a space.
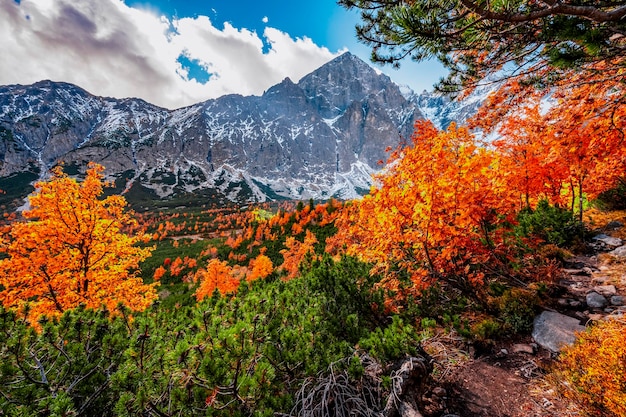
314, 308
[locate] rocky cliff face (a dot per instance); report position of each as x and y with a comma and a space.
442, 110
319, 138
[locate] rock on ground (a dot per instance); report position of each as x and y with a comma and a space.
608, 240
553, 330
619, 252
595, 300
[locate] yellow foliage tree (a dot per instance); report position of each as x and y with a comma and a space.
592, 372
72, 250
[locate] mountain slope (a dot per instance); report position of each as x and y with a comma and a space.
321, 137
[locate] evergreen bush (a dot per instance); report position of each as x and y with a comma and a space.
552, 224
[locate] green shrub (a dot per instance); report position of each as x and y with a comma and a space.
486, 330
65, 368
230, 356
550, 223
517, 309
392, 342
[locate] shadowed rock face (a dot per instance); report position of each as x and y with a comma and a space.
319, 138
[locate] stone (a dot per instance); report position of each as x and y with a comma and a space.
608, 240
618, 300
582, 315
601, 279
614, 224
552, 330
595, 300
523, 348
619, 252
573, 271
406, 409
605, 290
575, 304
587, 271
563, 302
439, 392
566, 282
596, 317
577, 290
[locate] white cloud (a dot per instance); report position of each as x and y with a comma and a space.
113, 50
265, 19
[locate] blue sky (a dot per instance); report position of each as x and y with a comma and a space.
175, 53
324, 21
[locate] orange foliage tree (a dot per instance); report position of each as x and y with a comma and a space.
522, 149
260, 267
73, 250
296, 252
437, 214
563, 144
220, 276
217, 275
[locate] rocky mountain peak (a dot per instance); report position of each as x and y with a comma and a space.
336, 85
286, 92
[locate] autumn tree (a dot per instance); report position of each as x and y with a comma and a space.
217, 275
566, 145
295, 252
438, 213
260, 267
522, 148
73, 250
474, 38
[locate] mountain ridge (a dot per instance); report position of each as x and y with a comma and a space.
321, 137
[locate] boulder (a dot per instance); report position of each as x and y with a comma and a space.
606, 290
618, 300
595, 300
619, 252
614, 224
553, 330
608, 240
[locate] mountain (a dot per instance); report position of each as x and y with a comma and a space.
321, 137
442, 110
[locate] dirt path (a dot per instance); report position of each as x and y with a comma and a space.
503, 385
510, 380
